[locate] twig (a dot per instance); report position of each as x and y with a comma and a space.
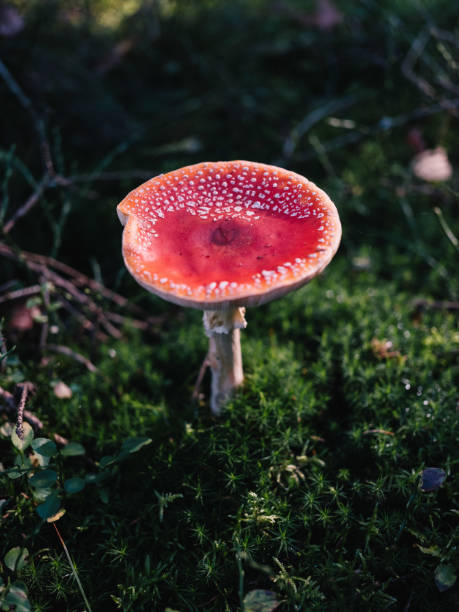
85, 322
65, 350
6, 286
38, 122
136, 323
58, 280
417, 51
28, 204
420, 303
20, 293
45, 325
310, 120
82, 298
383, 125
50, 177
78, 278
417, 47
205, 364
43, 265
3, 349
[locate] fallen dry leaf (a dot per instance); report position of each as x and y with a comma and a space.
62, 391
432, 165
22, 319
60, 440
383, 349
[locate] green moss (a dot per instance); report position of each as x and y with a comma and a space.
309, 484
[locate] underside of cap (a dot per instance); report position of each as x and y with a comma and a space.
218, 235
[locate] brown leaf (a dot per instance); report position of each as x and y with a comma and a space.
60, 440
62, 391
22, 318
432, 165
383, 349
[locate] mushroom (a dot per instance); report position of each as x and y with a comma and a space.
221, 236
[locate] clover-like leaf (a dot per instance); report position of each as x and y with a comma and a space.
72, 449
22, 465
49, 507
74, 485
16, 598
432, 479
132, 445
13, 474
106, 461
16, 558
27, 437
445, 576
43, 479
435, 551
92, 478
260, 600
40, 495
45, 447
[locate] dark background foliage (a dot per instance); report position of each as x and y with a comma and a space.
309, 485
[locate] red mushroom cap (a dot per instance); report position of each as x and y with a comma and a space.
225, 234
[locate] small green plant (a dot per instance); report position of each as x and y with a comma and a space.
41, 467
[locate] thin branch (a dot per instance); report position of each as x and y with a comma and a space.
45, 325
85, 322
65, 350
7, 286
20, 293
3, 349
136, 323
311, 119
28, 204
38, 122
59, 281
79, 279
202, 370
416, 52
383, 125
443, 305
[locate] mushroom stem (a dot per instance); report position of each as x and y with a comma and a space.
225, 359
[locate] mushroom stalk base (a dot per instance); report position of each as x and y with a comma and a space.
225, 359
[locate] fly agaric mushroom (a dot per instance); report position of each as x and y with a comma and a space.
221, 236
